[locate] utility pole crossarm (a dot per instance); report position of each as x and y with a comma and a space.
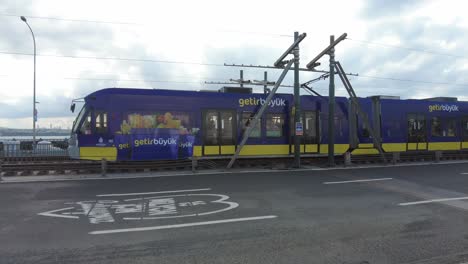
279, 62
313, 63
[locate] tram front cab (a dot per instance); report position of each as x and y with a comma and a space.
90, 138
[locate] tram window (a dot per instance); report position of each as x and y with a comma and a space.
416, 122
101, 122
443, 127
274, 125
310, 127
211, 128
436, 127
416, 128
247, 118
227, 128
86, 125
451, 128
159, 119
80, 118
465, 127
310, 124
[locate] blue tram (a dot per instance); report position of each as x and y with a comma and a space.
143, 124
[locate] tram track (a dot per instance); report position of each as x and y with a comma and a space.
69, 166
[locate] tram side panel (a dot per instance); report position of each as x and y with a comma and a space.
268, 137
420, 125
138, 125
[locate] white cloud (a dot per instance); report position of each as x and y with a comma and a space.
217, 32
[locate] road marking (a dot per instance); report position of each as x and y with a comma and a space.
137, 229
222, 200
146, 207
434, 201
51, 213
146, 193
363, 180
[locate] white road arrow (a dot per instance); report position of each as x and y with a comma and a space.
53, 213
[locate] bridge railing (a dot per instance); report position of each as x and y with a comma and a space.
16, 149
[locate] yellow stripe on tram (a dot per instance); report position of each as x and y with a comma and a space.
98, 153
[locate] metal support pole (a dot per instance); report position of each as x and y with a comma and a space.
1, 171
34, 84
331, 106
242, 78
297, 106
259, 114
265, 79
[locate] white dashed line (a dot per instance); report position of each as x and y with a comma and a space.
149, 228
146, 193
363, 180
434, 201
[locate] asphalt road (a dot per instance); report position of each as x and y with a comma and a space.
273, 217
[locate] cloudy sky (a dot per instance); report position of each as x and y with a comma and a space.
413, 49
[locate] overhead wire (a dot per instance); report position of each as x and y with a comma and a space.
409, 80
129, 80
142, 24
138, 80
405, 48
366, 42
111, 58
73, 20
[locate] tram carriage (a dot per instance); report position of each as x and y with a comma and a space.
143, 124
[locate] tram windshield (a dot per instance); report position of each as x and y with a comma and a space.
79, 119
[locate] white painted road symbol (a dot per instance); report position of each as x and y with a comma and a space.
145, 208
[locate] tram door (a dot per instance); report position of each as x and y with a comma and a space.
417, 132
464, 133
219, 132
311, 138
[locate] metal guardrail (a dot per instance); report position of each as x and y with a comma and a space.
103, 167
17, 149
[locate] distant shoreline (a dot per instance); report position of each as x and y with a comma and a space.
38, 137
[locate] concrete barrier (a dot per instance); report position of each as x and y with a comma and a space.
395, 157
194, 164
103, 167
347, 159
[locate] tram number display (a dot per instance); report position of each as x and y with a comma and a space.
299, 129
